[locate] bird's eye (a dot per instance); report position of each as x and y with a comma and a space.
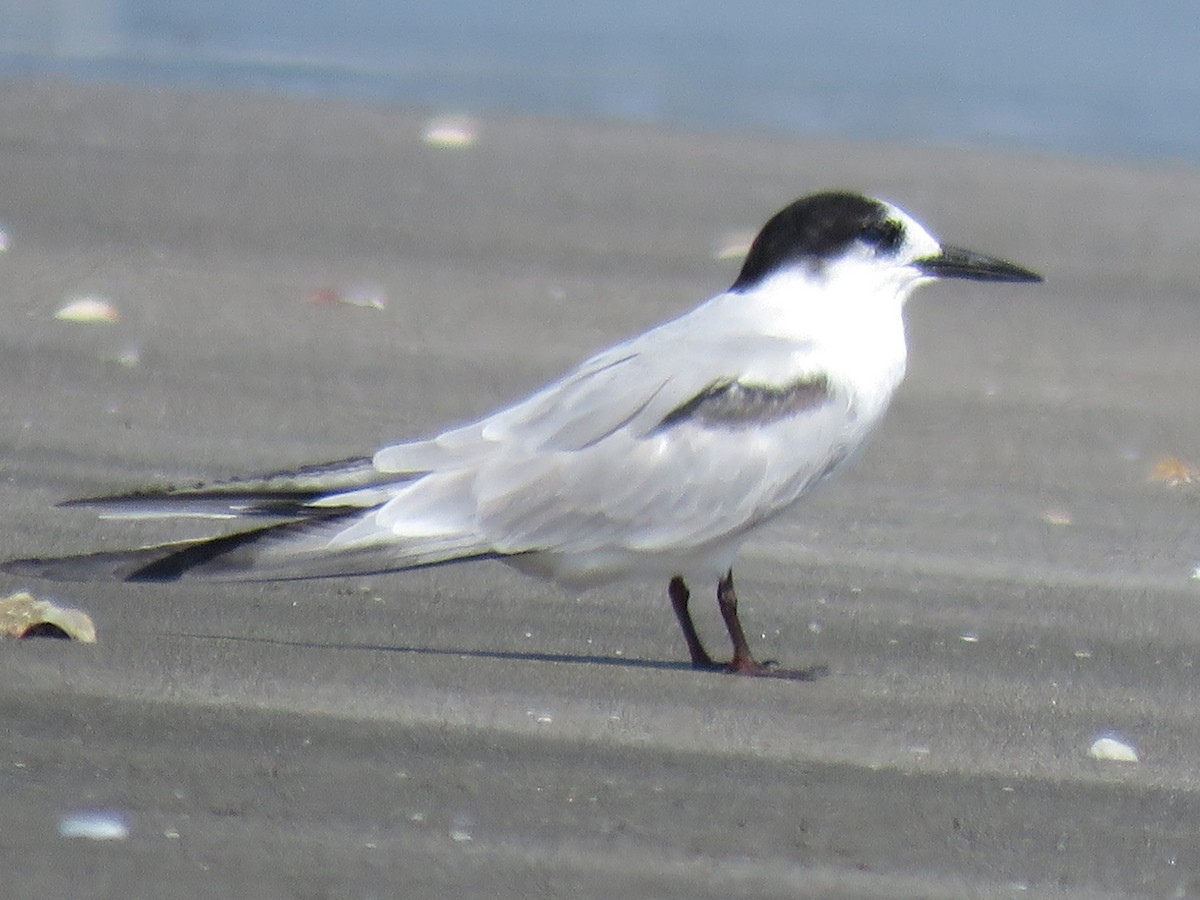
881, 236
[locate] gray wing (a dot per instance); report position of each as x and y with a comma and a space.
630, 387
650, 446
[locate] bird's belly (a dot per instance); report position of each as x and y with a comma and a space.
608, 565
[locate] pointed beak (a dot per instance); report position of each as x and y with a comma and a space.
955, 262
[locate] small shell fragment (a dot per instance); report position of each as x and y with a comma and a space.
4, 242
365, 295
88, 310
1173, 471
99, 825
1111, 749
733, 245
129, 357
450, 132
24, 616
1057, 517
460, 829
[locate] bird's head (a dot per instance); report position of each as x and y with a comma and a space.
844, 241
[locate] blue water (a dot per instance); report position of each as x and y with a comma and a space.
1095, 79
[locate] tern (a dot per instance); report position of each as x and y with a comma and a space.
656, 458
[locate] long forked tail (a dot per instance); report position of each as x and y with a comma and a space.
285, 551
231, 556
327, 531
276, 495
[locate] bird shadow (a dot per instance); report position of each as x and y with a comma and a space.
810, 674
460, 652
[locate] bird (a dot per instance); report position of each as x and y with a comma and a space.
654, 459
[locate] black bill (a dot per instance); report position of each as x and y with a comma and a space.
955, 262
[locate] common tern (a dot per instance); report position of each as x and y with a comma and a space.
657, 457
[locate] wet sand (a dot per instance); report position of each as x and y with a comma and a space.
996, 584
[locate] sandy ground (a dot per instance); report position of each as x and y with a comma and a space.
997, 584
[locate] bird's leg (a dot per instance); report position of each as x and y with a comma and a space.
680, 595
743, 662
